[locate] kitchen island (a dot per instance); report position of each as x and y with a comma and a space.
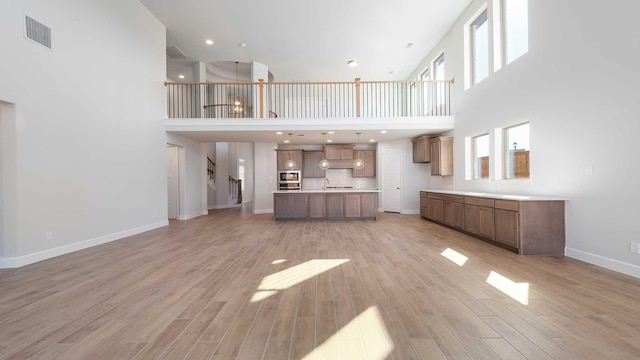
334, 204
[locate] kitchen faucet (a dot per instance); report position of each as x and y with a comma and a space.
325, 183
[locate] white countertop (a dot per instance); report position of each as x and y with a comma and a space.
498, 196
315, 191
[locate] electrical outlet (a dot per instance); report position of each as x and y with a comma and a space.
635, 247
49, 235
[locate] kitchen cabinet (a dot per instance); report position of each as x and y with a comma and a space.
434, 207
339, 152
369, 169
453, 211
326, 205
283, 157
421, 149
290, 206
530, 227
441, 149
310, 161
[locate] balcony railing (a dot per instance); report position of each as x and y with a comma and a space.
309, 100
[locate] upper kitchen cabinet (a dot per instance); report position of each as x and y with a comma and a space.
338, 152
310, 164
285, 155
421, 149
369, 169
441, 149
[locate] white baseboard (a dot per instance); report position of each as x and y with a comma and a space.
225, 206
263, 211
611, 264
192, 216
19, 261
410, 212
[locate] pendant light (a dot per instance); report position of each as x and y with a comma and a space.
324, 163
290, 164
236, 99
358, 163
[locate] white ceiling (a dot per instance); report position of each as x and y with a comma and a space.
306, 41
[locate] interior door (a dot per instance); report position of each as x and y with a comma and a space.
392, 179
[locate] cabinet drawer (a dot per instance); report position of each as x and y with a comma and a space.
479, 201
453, 198
506, 205
434, 196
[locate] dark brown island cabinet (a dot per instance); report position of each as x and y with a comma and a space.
529, 225
325, 205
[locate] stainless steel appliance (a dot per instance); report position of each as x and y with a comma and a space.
289, 180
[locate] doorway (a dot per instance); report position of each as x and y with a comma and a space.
173, 182
392, 179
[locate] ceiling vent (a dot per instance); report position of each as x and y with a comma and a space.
38, 32
175, 53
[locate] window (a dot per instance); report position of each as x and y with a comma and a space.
515, 22
479, 33
438, 74
480, 156
516, 151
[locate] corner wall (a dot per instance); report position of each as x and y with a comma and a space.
577, 86
90, 139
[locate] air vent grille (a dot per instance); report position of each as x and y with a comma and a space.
37, 32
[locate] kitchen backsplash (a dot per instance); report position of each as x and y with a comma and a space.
340, 178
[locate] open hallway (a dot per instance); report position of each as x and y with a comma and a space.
236, 285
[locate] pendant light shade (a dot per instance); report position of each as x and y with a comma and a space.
358, 163
324, 163
290, 163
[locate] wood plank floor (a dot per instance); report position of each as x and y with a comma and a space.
233, 285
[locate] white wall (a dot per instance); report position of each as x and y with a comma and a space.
90, 140
577, 86
192, 168
264, 177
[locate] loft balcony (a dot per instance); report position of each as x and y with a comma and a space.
309, 100
231, 107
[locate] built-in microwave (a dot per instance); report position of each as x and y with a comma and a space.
289, 176
289, 180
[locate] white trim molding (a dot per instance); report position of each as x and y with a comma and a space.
192, 216
19, 261
263, 211
605, 262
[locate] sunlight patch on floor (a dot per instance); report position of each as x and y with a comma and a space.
375, 342
454, 256
292, 276
517, 291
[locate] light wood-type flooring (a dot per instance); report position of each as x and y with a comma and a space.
232, 285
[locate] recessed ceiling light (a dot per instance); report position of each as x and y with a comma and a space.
390, 72
181, 76
209, 42
353, 63
278, 132
409, 45
383, 131
286, 141
331, 132
372, 140
329, 140
242, 45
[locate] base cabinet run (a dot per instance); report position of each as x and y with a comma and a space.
326, 206
532, 227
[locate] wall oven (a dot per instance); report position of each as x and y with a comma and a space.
289, 180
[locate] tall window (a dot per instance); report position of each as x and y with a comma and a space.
480, 156
515, 19
427, 91
479, 31
516, 151
438, 74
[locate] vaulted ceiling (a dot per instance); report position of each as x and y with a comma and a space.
303, 40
